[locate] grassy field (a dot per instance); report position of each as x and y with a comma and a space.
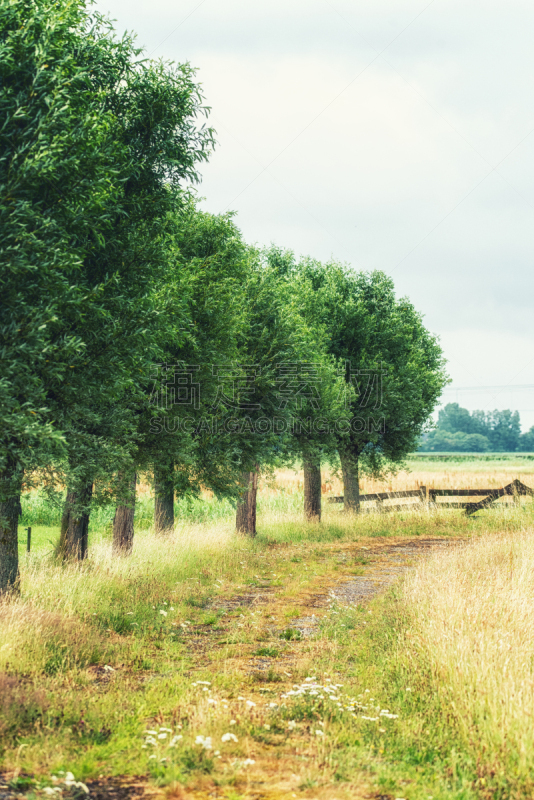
182, 671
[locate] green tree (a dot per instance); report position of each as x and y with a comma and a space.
273, 340
184, 438
458, 429
526, 441
504, 430
394, 369
445, 442
95, 145
455, 419
57, 156
316, 384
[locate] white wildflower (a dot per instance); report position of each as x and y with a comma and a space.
70, 783
204, 741
229, 737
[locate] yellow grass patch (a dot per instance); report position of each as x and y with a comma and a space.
472, 623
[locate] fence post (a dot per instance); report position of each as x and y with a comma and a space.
29, 540
422, 492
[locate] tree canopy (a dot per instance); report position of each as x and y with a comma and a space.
459, 430
139, 332
96, 144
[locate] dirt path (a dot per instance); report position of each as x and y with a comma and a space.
382, 565
386, 565
263, 649
282, 649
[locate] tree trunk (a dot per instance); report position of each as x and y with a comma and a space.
312, 490
351, 485
123, 523
10, 489
164, 506
246, 506
74, 535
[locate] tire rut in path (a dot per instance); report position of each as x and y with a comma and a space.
386, 564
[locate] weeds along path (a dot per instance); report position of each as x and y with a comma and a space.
273, 645
266, 683
369, 570
379, 566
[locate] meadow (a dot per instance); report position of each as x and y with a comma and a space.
209, 665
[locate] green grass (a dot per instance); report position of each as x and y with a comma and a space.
61, 709
41, 510
456, 456
471, 462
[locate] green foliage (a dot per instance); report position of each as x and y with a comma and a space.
393, 367
443, 441
57, 178
291, 634
268, 652
458, 430
318, 407
115, 281
207, 251
96, 144
526, 441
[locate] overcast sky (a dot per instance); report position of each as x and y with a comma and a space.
390, 135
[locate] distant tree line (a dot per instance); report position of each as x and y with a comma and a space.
459, 430
139, 334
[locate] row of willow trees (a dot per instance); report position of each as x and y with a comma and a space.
140, 334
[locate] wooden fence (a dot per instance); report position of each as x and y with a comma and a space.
514, 489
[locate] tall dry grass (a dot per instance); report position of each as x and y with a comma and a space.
471, 614
439, 475
50, 627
